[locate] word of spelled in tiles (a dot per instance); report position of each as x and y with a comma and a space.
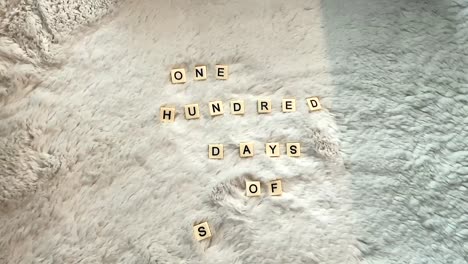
215, 151
252, 188
200, 73
201, 231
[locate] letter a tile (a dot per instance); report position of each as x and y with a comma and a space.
246, 150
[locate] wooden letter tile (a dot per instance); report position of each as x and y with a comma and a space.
313, 103
272, 149
192, 111
289, 105
237, 107
167, 114
215, 151
201, 231
216, 108
264, 106
246, 150
222, 72
252, 188
275, 187
293, 149
200, 73
178, 75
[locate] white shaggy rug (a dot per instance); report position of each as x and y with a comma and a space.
88, 174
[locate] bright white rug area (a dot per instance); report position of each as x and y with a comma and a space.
88, 174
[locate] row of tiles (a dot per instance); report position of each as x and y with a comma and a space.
167, 114
247, 150
199, 73
252, 188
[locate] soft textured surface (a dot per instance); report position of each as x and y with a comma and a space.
89, 175
400, 70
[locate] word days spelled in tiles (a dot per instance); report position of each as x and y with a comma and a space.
167, 114
200, 73
247, 150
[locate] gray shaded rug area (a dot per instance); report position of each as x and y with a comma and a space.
400, 69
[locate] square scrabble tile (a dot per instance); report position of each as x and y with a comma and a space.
252, 188
178, 76
293, 149
264, 106
201, 231
222, 72
275, 187
192, 111
272, 149
289, 105
200, 73
246, 150
216, 108
215, 151
167, 114
237, 107
314, 103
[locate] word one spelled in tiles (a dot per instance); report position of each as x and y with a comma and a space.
200, 73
